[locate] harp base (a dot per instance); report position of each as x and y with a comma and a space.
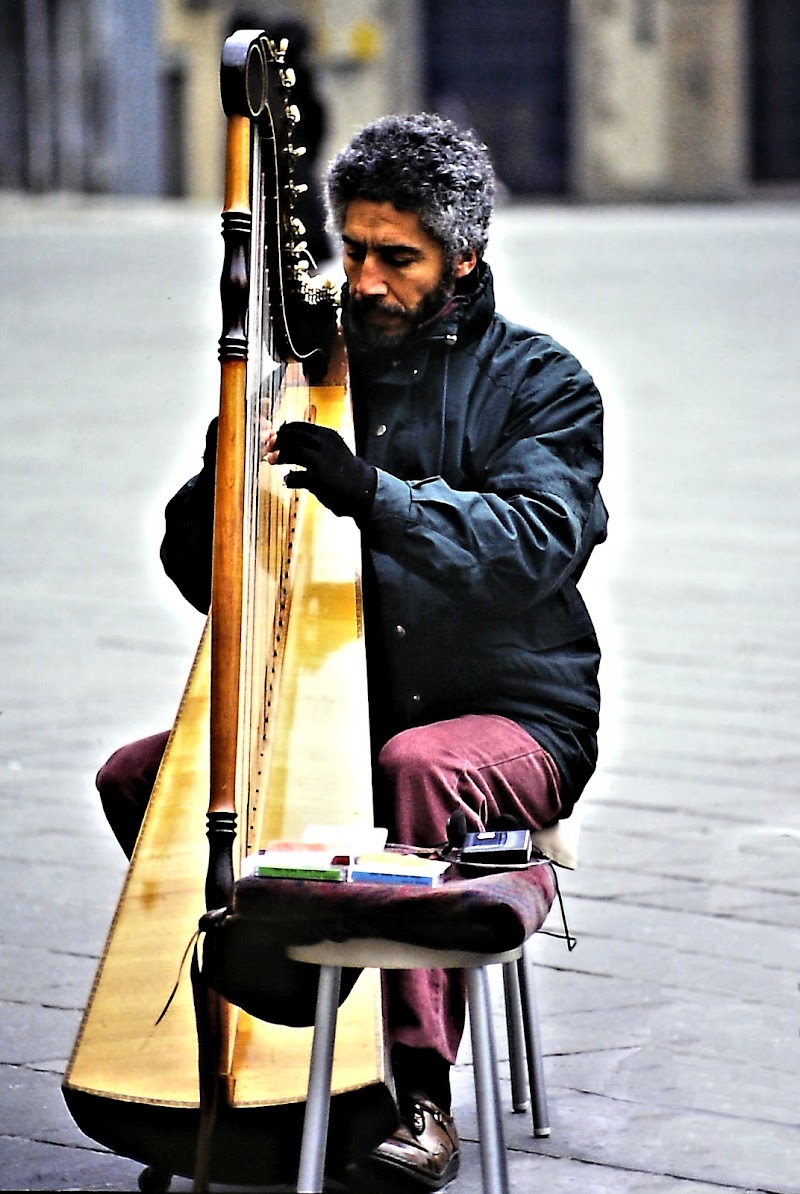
251, 1145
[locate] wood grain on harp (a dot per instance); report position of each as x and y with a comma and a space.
281, 664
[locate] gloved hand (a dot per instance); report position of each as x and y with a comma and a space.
343, 482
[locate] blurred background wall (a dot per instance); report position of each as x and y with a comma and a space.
596, 100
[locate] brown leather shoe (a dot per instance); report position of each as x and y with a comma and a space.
423, 1153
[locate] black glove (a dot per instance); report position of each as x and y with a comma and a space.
343, 482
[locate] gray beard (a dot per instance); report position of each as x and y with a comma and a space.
376, 337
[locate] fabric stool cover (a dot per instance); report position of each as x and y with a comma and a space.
492, 913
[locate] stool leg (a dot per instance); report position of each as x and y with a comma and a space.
494, 1163
533, 1043
311, 1177
516, 1038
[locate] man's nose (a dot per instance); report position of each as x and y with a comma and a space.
371, 279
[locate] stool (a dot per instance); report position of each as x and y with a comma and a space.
390, 955
462, 923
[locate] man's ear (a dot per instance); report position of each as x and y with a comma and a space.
466, 265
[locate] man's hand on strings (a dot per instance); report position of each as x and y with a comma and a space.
341, 480
266, 437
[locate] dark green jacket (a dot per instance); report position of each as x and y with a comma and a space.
487, 438
488, 442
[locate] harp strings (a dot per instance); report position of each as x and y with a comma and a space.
276, 392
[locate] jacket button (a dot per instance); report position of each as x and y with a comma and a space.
400, 631
416, 698
381, 429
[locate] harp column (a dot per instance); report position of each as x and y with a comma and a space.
227, 568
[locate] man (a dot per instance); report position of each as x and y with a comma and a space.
475, 486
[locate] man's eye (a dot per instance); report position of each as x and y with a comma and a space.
399, 262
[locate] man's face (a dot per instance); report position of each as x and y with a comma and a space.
395, 270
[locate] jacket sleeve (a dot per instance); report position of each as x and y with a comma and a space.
531, 521
187, 544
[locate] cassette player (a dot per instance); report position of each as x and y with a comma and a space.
499, 847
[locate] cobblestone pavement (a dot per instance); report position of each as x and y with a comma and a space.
671, 1031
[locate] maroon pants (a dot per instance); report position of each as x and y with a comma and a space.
482, 764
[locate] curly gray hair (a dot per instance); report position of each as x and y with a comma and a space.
421, 163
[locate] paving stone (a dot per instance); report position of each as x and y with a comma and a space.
573, 1176
668, 1074
29, 1091
69, 977
56, 918
27, 1164
32, 1033
615, 1137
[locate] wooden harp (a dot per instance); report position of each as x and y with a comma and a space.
272, 730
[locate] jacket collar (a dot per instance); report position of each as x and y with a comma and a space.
462, 320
